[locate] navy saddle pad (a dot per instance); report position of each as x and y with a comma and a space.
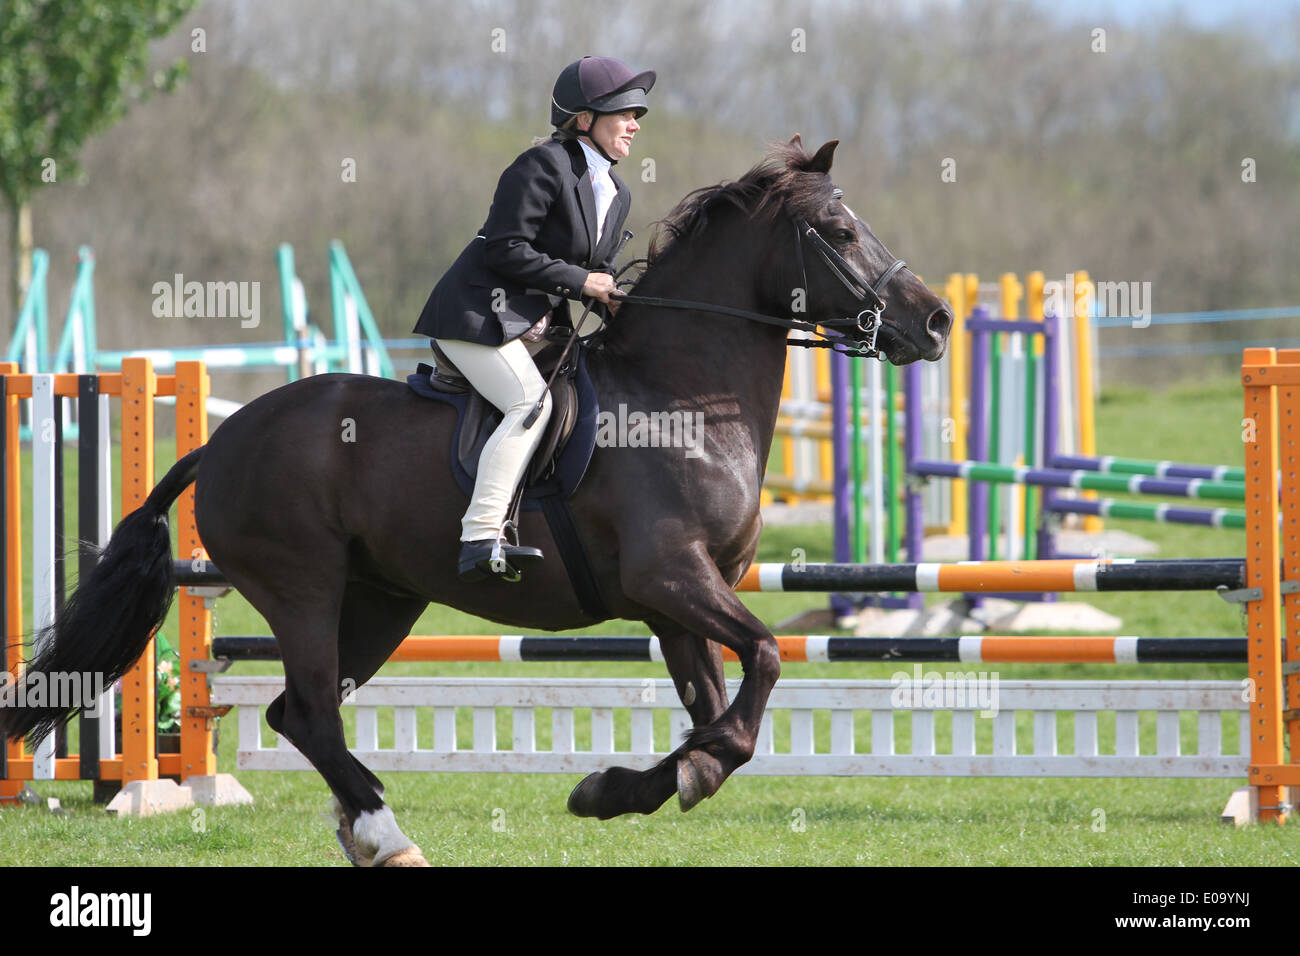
574, 456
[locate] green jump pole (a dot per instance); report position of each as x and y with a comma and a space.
284, 262
1091, 481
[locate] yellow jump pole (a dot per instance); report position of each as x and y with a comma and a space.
825, 458
1010, 293
1084, 296
787, 443
959, 391
1035, 347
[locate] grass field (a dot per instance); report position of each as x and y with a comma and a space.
480, 819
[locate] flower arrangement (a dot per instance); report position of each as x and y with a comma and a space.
167, 687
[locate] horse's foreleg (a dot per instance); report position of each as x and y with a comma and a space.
695, 666
713, 751
700, 602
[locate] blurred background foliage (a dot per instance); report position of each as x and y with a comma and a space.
1126, 162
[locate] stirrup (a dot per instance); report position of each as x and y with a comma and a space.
495, 558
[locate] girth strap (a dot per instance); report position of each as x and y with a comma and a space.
576, 563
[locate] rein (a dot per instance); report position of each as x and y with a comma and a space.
868, 321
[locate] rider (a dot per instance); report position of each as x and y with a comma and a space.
551, 235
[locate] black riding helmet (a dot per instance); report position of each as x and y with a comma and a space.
600, 84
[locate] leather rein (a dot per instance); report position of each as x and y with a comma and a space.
868, 294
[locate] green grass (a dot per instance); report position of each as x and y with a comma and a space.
752, 821
489, 819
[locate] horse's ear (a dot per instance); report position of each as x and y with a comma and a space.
821, 162
797, 141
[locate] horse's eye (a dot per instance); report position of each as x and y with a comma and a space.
845, 235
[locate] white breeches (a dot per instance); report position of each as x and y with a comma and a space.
506, 376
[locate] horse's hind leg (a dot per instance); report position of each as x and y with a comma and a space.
306, 627
371, 625
695, 666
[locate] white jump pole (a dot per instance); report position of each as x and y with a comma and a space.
103, 451
43, 505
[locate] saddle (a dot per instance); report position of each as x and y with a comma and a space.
562, 456
557, 466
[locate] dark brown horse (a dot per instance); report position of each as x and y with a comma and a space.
330, 503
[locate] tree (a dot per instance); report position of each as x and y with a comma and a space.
68, 69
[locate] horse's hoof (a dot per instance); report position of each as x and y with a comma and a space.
692, 781
411, 856
690, 787
348, 842
349, 846
583, 799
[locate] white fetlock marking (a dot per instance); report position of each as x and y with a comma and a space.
378, 836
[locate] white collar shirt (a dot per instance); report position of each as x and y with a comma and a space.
602, 185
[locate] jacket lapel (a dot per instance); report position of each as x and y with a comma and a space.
586, 195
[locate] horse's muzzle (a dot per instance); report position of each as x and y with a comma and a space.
937, 328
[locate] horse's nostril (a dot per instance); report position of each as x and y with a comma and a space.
939, 324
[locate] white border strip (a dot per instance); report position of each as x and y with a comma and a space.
769, 577
817, 648
1085, 575
1126, 650
927, 576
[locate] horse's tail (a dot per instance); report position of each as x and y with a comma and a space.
109, 619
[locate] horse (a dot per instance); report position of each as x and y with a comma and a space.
329, 503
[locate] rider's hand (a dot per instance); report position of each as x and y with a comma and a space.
599, 285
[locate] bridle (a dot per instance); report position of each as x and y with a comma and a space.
869, 295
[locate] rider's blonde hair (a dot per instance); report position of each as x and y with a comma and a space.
570, 128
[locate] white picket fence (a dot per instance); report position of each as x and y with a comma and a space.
621, 708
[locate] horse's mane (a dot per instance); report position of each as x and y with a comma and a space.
779, 181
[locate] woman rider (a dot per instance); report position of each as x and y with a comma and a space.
550, 236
